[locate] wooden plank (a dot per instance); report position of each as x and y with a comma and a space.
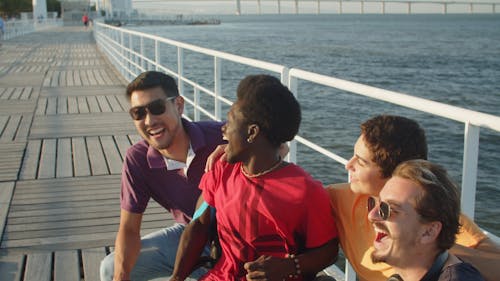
123, 143
96, 156
113, 157
27, 93
7, 93
69, 78
80, 157
11, 266
82, 105
62, 79
96, 212
54, 198
47, 79
106, 77
122, 99
6, 191
41, 106
62, 105
93, 104
54, 82
51, 105
64, 158
30, 162
98, 77
91, 259
18, 106
115, 105
71, 125
3, 123
38, 267
47, 167
135, 138
10, 130
84, 77
24, 127
76, 78
91, 77
66, 266
104, 104
72, 105
16, 94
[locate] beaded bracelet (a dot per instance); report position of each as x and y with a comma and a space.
297, 266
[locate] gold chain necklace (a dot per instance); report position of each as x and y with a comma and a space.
263, 172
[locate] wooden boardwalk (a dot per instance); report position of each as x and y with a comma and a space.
64, 131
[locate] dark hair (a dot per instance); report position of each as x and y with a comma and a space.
152, 79
440, 200
392, 140
270, 105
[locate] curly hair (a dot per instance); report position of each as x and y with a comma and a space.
440, 200
152, 79
271, 106
392, 140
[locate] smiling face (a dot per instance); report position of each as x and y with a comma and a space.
398, 239
365, 175
160, 130
235, 131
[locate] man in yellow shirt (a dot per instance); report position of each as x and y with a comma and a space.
386, 141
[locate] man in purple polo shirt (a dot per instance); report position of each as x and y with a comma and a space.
167, 166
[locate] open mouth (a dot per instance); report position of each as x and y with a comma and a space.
380, 236
156, 132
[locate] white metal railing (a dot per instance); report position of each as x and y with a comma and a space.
14, 28
128, 52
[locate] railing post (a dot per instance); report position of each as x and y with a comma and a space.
122, 48
279, 7
131, 56
238, 7
157, 55
142, 54
350, 274
180, 69
292, 154
469, 171
217, 87
196, 104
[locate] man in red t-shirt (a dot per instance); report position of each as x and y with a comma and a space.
273, 219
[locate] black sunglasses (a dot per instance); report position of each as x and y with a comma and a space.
155, 107
384, 209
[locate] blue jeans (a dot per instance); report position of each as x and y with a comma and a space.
157, 256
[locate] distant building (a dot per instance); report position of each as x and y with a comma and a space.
39, 10
73, 10
116, 8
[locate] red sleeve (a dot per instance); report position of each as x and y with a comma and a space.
209, 182
319, 222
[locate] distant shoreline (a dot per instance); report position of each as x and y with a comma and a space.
178, 21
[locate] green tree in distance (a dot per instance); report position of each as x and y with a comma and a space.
15, 7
